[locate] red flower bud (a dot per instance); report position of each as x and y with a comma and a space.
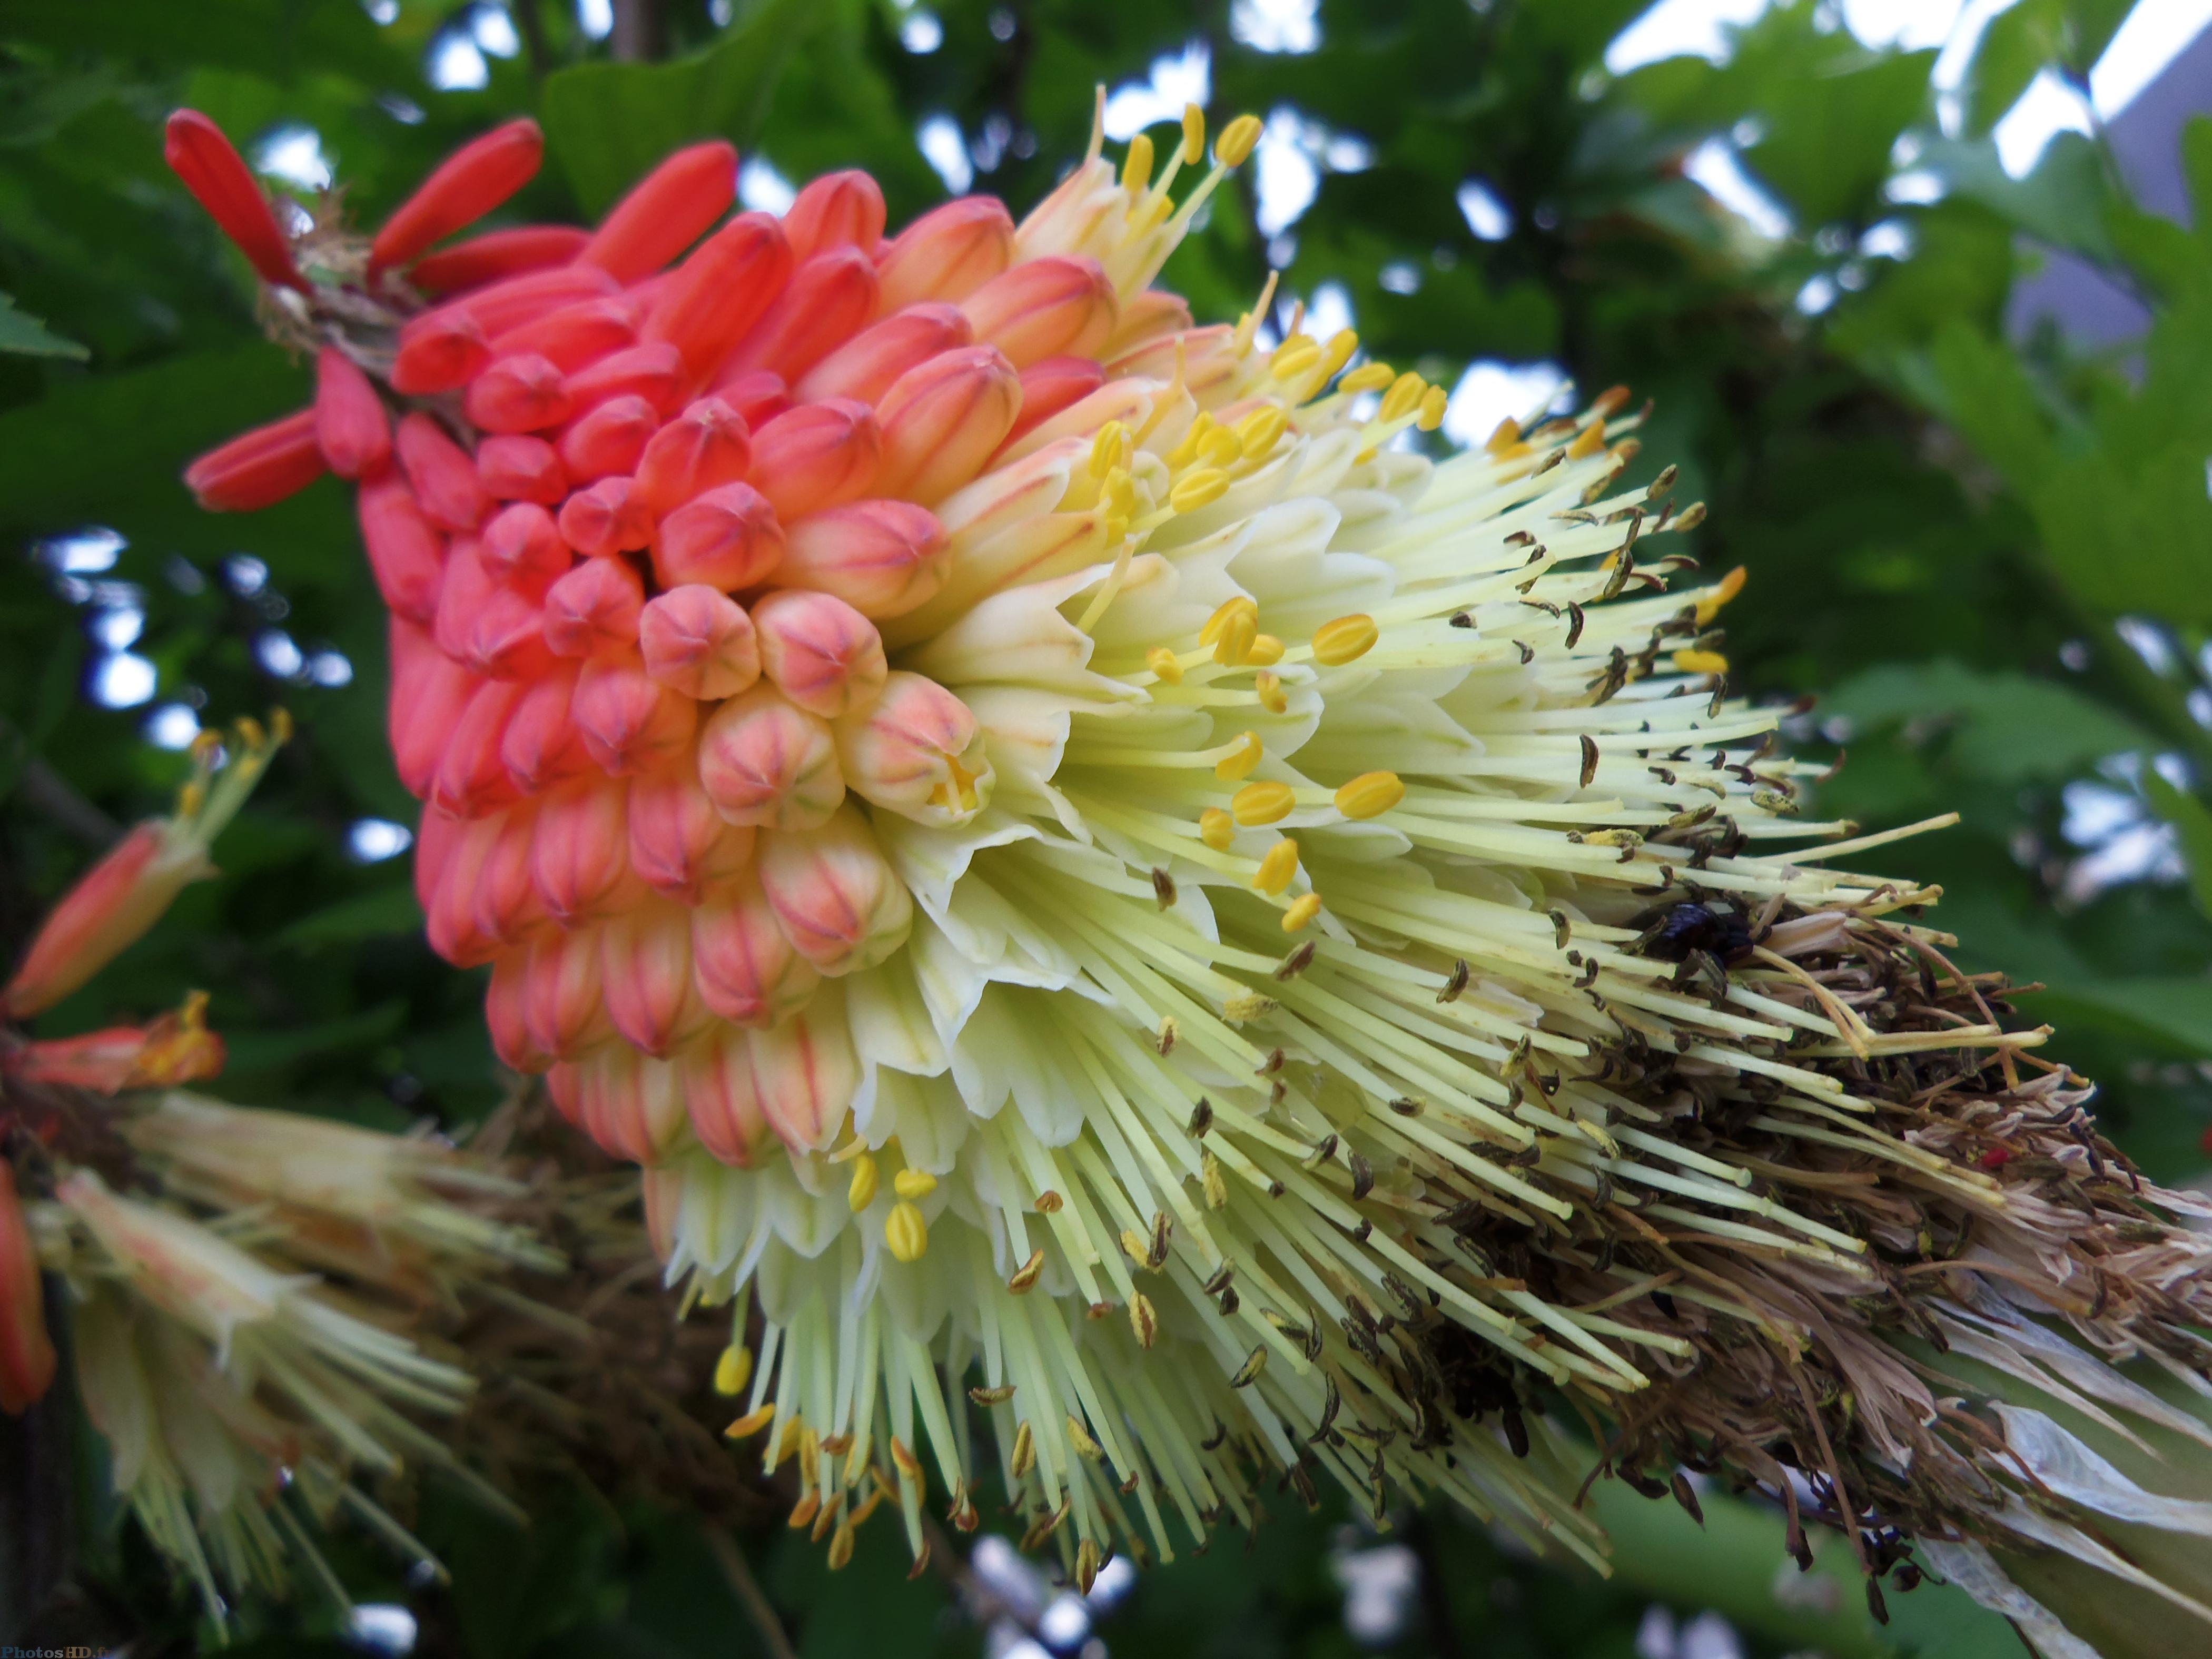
745, 967
444, 477
1056, 306
514, 468
517, 394
594, 608
765, 761
820, 651
665, 212
471, 780
575, 336
451, 917
866, 366
678, 844
709, 444
496, 254
805, 1074
543, 747
942, 421
835, 894
718, 1094
260, 468
519, 299
883, 558
563, 1004
654, 372
438, 351
757, 396
580, 850
505, 1016
406, 553
631, 1105
521, 545
609, 439
506, 636
947, 253
720, 291
219, 179
817, 455
725, 539
351, 428
507, 903
699, 641
429, 691
1052, 385
838, 210
467, 185
630, 722
829, 298
606, 520
645, 961
467, 586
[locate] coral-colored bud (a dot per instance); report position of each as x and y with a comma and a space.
645, 961
219, 179
506, 901
665, 212
1153, 315
514, 468
757, 395
467, 586
821, 653
746, 969
606, 520
435, 837
564, 1005
351, 427
450, 918
827, 300
542, 746
406, 554
918, 752
699, 641
805, 1074
707, 445
630, 722
835, 894
444, 477
765, 761
883, 558
1056, 307
1054, 385
522, 546
260, 468
815, 456
111, 904
718, 1094
517, 394
438, 351
467, 185
866, 366
173, 1050
496, 254
725, 539
504, 1015
575, 336
721, 291
594, 608
27, 1352
608, 438
654, 371
519, 299
632, 1105
506, 636
471, 780
429, 691
678, 844
942, 421
580, 849
947, 253
837, 209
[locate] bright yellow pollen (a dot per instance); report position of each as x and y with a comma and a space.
1303, 908
1434, 402
1237, 766
1295, 358
905, 1233
1107, 448
1268, 801
1277, 868
1730, 586
1264, 649
913, 1184
1701, 662
1234, 644
1507, 434
751, 1422
1118, 492
1403, 398
1268, 688
1345, 640
1222, 448
958, 792
1201, 423
1368, 377
1371, 794
1193, 134
1341, 345
1238, 141
1162, 661
1200, 488
1258, 433
1216, 828
1137, 166
1219, 619
1588, 441
733, 1369
862, 1189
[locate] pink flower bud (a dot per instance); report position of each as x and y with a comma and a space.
575, 336
519, 299
1052, 385
461, 597
745, 967
837, 209
27, 1352
496, 254
260, 468
867, 365
594, 608
504, 1014
821, 653
543, 747
444, 477
947, 253
353, 432
471, 780
521, 547
463, 187
827, 299
835, 894
219, 179
817, 455
720, 291
707, 445
631, 1105
765, 761
111, 904
506, 637
406, 553
429, 691
804, 1074
718, 1094
608, 438
517, 394
564, 1005
665, 212
580, 850
757, 395
883, 558
436, 837
506, 901
678, 844
699, 641
645, 962
1060, 305
918, 752
438, 351
943, 419
630, 723
606, 520
725, 539
450, 915
1151, 314
654, 372
513, 468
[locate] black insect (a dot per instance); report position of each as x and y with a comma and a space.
1671, 934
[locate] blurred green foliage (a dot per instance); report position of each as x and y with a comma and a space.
1992, 561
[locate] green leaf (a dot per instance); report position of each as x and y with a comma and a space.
26, 336
2010, 728
2017, 44
2192, 824
2139, 540
367, 915
611, 123
1829, 134
2173, 1012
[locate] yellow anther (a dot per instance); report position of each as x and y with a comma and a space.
1264, 649
1200, 488
1109, 448
1142, 1320
1023, 1458
1303, 908
751, 1422
1371, 794
1134, 1245
1729, 586
1258, 433
1216, 828
1223, 612
1268, 688
733, 1369
905, 1232
862, 1190
1434, 402
1162, 661
1238, 141
1118, 492
1193, 134
280, 727
1345, 640
1295, 358
1235, 644
1368, 377
1238, 765
1137, 166
1277, 868
1268, 801
1201, 423
1588, 441
1694, 661
1341, 345
1403, 398
913, 1184
1507, 434
1222, 448
1606, 402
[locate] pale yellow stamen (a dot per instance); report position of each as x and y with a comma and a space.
1434, 402
1164, 665
1302, 910
733, 1369
862, 1189
1109, 449
1216, 828
1240, 761
1182, 453
751, 1422
1694, 661
1193, 134
1368, 377
1137, 166
1371, 794
1403, 398
1238, 141
1268, 688
1222, 448
1242, 604
905, 1232
1507, 434
1277, 868
1345, 639
1264, 649
1295, 358
913, 1184
1341, 345
1268, 801
1233, 645
1258, 433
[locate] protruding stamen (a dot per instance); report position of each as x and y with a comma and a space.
1268, 801
1276, 869
1345, 639
1371, 794
1302, 912
1239, 762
